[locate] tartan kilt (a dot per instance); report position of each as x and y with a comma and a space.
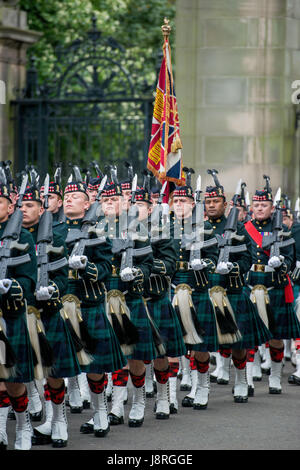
205, 314
65, 359
164, 317
18, 336
144, 350
286, 321
108, 356
252, 328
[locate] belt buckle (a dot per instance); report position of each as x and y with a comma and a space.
73, 274
259, 268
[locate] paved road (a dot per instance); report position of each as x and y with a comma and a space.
266, 422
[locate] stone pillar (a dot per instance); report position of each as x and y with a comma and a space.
15, 38
236, 61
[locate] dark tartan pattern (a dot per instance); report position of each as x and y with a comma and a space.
144, 350
287, 324
205, 314
164, 317
253, 330
108, 356
66, 363
18, 336
251, 326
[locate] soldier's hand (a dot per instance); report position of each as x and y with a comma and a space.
296, 273
44, 293
224, 268
198, 264
127, 275
77, 262
275, 261
5, 285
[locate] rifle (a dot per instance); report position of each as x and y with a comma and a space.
225, 240
10, 237
275, 241
44, 244
81, 237
159, 216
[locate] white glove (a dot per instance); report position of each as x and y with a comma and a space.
44, 293
77, 262
198, 264
5, 285
275, 261
224, 268
127, 274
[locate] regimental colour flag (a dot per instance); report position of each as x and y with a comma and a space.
165, 149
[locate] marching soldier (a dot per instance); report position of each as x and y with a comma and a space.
90, 264
157, 298
45, 304
240, 326
17, 280
190, 285
132, 260
267, 281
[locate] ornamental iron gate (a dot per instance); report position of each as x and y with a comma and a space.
97, 106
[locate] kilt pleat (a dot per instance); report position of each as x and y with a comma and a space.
18, 336
108, 356
144, 349
164, 316
287, 325
65, 359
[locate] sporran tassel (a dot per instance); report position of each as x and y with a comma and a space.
90, 343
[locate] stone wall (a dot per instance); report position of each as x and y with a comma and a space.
15, 38
235, 64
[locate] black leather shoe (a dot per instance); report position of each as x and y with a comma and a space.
114, 420
197, 406
187, 402
161, 416
36, 416
185, 388
101, 432
39, 439
250, 391
59, 443
76, 409
240, 399
274, 391
213, 379
135, 423
87, 428
86, 405
3, 446
173, 409
293, 380
222, 382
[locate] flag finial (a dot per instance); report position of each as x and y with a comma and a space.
166, 28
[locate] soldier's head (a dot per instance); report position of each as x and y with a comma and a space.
143, 203
76, 200
92, 188
55, 201
112, 200
6, 205
215, 202
126, 193
32, 207
262, 205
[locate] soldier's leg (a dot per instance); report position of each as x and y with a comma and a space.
137, 374
162, 369
276, 347
119, 393
99, 403
203, 383
239, 358
19, 401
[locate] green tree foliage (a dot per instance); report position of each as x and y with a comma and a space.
136, 24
